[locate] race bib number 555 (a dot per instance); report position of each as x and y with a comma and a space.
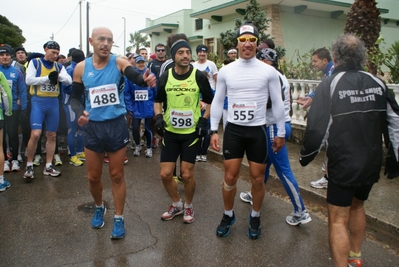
242, 112
104, 95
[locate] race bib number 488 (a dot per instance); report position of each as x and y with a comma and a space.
104, 95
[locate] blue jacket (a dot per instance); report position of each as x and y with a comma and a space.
18, 88
139, 100
67, 89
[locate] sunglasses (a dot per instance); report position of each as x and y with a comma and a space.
160, 50
243, 40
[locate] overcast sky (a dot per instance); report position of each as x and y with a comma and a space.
40, 19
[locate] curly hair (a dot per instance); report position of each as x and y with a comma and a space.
348, 50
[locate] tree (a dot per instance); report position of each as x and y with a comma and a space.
137, 40
10, 33
254, 14
363, 20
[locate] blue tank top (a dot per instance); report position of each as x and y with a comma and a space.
104, 96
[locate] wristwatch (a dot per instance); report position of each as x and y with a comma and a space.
213, 132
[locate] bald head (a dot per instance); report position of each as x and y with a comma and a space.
102, 40
99, 31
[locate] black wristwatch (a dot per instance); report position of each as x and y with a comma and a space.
213, 132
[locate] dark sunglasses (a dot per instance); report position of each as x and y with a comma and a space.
160, 50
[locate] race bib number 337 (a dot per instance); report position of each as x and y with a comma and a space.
104, 95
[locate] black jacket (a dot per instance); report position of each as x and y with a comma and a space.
349, 114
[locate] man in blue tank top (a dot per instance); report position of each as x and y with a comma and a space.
103, 118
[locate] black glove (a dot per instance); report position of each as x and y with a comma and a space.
22, 116
53, 77
202, 128
160, 124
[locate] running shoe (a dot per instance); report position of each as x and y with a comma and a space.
29, 172
4, 185
254, 229
51, 171
246, 197
137, 150
148, 153
355, 262
188, 216
223, 228
98, 218
118, 231
9, 155
203, 158
75, 161
57, 160
320, 184
295, 219
106, 159
37, 160
198, 158
81, 156
7, 166
126, 160
15, 166
20, 159
171, 213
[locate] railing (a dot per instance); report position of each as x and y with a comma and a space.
300, 88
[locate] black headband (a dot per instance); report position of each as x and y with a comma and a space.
177, 45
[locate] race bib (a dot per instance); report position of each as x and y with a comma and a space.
242, 112
181, 119
47, 87
104, 95
141, 95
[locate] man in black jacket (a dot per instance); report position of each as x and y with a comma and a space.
349, 114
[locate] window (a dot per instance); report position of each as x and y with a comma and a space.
198, 24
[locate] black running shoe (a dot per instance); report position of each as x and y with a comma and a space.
224, 226
254, 227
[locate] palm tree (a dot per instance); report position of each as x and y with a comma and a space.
363, 20
137, 40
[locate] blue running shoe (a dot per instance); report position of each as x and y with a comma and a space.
224, 226
98, 219
119, 229
254, 227
4, 186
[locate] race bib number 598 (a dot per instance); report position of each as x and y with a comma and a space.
104, 95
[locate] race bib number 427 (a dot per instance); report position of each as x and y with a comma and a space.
104, 95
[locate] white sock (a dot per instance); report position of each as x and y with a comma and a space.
118, 217
255, 213
229, 213
2, 179
48, 165
178, 204
188, 205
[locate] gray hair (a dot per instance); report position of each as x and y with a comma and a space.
348, 50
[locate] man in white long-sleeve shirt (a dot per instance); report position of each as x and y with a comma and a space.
248, 84
42, 77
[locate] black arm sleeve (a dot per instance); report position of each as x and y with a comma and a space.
76, 98
134, 76
205, 87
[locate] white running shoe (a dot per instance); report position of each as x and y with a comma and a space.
295, 219
320, 184
7, 166
137, 150
15, 166
148, 153
37, 160
246, 197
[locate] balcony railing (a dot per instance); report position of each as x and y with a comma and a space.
300, 88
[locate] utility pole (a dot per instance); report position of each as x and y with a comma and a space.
124, 35
87, 29
80, 24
